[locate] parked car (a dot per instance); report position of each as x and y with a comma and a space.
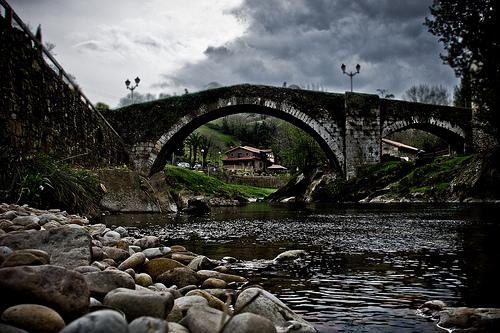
184, 165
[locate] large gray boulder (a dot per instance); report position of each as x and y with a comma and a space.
138, 303
263, 303
100, 283
67, 247
204, 319
56, 287
249, 323
102, 321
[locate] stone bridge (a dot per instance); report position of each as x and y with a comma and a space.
349, 127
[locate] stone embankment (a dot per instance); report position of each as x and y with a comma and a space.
59, 273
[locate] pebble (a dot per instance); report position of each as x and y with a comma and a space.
211, 283
156, 252
143, 279
180, 276
158, 266
33, 318
147, 242
205, 274
134, 261
122, 231
201, 262
118, 255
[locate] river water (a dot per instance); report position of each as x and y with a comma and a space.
369, 266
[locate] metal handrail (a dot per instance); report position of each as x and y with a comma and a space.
62, 73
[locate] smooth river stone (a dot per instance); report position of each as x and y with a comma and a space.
147, 324
267, 305
102, 321
180, 276
201, 262
213, 301
138, 303
34, 318
249, 323
156, 252
205, 274
101, 283
213, 283
133, 261
56, 287
204, 319
158, 266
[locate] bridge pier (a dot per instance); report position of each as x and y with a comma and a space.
363, 138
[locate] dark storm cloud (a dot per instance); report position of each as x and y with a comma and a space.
303, 41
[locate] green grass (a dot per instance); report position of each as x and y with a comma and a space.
221, 141
433, 177
44, 182
198, 183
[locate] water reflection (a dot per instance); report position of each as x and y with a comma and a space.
370, 266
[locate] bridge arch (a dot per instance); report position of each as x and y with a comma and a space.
327, 134
444, 129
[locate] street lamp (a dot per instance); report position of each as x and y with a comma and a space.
127, 83
350, 74
202, 158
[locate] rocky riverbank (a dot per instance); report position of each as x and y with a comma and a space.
471, 178
462, 319
59, 273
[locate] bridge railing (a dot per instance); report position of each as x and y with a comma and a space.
13, 20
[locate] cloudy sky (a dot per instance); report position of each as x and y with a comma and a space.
177, 44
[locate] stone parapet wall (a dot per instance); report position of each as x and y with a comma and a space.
39, 112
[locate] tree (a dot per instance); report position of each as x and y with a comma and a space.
424, 93
468, 30
296, 149
193, 142
205, 145
102, 107
462, 95
138, 98
384, 93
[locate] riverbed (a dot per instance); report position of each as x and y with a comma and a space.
369, 266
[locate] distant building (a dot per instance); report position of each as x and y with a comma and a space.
248, 159
276, 168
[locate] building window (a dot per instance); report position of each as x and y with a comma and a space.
239, 154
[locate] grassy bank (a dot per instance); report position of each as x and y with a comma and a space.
397, 180
198, 183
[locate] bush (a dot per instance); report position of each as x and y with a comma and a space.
44, 182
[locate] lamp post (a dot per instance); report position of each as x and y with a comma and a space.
127, 84
350, 74
202, 158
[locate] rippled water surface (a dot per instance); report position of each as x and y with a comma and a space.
369, 267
